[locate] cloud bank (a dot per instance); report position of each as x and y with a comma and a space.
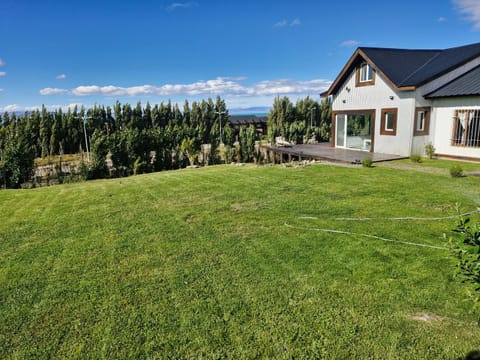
224, 86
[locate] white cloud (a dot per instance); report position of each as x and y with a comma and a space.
349, 43
184, 5
224, 86
471, 9
295, 22
281, 23
441, 19
61, 77
2, 63
15, 107
290, 87
21, 108
1, 90
53, 91
3, 73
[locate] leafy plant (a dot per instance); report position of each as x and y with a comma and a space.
467, 253
367, 162
415, 158
429, 150
456, 171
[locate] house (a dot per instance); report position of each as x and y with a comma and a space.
396, 101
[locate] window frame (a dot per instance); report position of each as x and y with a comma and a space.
358, 75
383, 121
426, 121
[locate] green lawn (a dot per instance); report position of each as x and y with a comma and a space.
200, 264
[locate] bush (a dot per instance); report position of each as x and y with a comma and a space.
367, 162
416, 158
456, 171
429, 150
466, 250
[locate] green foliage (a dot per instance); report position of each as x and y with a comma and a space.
99, 149
430, 150
299, 121
190, 150
146, 135
367, 162
456, 171
415, 158
246, 140
16, 159
83, 170
138, 166
466, 250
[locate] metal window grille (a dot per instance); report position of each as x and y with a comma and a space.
466, 128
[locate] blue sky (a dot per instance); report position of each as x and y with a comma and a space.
64, 52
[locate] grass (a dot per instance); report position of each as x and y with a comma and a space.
199, 264
440, 164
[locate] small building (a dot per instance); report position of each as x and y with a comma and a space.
396, 101
259, 122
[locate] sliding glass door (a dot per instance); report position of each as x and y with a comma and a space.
353, 131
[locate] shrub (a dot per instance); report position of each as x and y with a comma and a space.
367, 162
416, 158
429, 150
466, 250
83, 170
456, 171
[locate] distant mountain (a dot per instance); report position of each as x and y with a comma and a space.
255, 110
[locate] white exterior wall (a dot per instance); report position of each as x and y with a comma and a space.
441, 127
378, 97
419, 141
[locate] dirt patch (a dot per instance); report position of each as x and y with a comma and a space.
235, 207
426, 317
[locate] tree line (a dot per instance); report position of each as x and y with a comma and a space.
307, 120
142, 138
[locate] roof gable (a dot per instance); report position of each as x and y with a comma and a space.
406, 69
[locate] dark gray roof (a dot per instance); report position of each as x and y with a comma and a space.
416, 67
407, 68
465, 85
399, 64
247, 119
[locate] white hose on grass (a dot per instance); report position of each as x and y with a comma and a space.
331, 231
398, 218
411, 217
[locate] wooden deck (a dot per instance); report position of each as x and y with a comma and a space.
324, 151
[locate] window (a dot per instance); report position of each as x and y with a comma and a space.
422, 121
365, 75
466, 128
365, 72
388, 123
